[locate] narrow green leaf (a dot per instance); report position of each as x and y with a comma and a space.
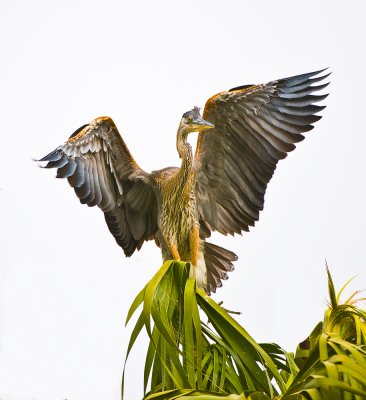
169, 394
293, 368
136, 303
342, 289
163, 327
313, 394
248, 349
137, 329
258, 396
206, 358
233, 378
241, 374
331, 289
328, 382
357, 374
150, 292
150, 355
156, 371
189, 347
357, 352
332, 371
323, 346
277, 354
223, 369
179, 379
199, 341
216, 370
207, 378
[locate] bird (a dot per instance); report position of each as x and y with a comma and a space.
242, 134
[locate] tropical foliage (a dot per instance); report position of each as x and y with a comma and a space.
191, 359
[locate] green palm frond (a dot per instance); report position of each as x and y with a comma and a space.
331, 289
186, 353
335, 369
345, 319
204, 395
188, 358
332, 359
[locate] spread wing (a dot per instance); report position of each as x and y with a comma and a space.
255, 127
98, 165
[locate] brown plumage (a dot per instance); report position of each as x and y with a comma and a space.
244, 133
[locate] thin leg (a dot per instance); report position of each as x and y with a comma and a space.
194, 240
174, 251
198, 268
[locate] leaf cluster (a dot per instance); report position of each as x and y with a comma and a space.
218, 359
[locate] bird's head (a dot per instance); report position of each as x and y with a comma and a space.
193, 122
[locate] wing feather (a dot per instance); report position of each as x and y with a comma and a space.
67, 170
255, 127
98, 165
78, 178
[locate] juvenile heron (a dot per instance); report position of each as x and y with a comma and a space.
244, 132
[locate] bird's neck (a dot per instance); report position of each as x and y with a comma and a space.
185, 153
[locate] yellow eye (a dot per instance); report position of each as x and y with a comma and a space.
189, 119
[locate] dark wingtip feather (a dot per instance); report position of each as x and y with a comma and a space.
58, 163
326, 75
55, 155
295, 79
67, 170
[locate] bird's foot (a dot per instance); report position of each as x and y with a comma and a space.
228, 311
225, 309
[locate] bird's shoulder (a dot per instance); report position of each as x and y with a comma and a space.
161, 175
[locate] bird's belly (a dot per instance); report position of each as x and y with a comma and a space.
176, 223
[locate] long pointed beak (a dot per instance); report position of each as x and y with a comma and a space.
202, 124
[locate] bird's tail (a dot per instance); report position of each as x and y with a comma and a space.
218, 262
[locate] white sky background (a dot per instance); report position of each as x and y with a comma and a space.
65, 286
